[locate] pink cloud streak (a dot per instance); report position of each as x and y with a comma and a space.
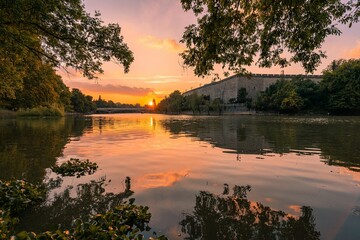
110, 88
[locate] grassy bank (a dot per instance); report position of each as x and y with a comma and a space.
7, 113
34, 112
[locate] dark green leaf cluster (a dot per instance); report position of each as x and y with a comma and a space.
236, 33
126, 221
171, 104
337, 93
75, 167
16, 195
233, 216
82, 103
176, 103
341, 86
290, 96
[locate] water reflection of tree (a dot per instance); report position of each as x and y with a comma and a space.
235, 217
88, 199
335, 137
29, 146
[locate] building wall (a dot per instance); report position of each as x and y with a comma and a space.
228, 88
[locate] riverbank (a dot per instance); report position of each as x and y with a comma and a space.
7, 113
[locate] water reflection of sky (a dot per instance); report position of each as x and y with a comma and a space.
171, 158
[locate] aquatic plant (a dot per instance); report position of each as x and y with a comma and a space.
75, 167
125, 220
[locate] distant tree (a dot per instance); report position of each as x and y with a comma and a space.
217, 105
241, 95
310, 93
195, 102
342, 87
237, 33
280, 96
171, 104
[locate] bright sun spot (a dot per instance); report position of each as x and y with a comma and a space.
151, 103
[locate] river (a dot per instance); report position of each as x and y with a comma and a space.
183, 166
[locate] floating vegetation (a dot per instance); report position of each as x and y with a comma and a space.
16, 195
115, 218
75, 167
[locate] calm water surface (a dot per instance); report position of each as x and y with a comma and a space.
176, 163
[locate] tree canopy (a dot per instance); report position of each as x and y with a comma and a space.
341, 84
59, 32
237, 33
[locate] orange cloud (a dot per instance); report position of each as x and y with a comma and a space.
355, 52
109, 88
164, 179
157, 43
295, 208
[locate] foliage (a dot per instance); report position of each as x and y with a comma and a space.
241, 96
40, 87
82, 103
290, 96
217, 105
172, 103
16, 195
41, 111
75, 167
234, 33
6, 224
101, 103
341, 84
61, 33
235, 217
126, 221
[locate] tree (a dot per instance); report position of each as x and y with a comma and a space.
342, 87
217, 105
58, 32
82, 103
234, 33
195, 102
41, 87
281, 96
241, 96
172, 103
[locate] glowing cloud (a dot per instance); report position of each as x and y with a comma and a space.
157, 43
109, 88
163, 179
355, 52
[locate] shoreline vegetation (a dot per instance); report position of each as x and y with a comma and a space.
336, 94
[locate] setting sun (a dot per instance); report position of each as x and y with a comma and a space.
151, 103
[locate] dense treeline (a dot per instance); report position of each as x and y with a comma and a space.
101, 103
337, 93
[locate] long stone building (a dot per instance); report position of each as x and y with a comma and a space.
228, 88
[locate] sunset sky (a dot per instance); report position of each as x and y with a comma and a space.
152, 29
